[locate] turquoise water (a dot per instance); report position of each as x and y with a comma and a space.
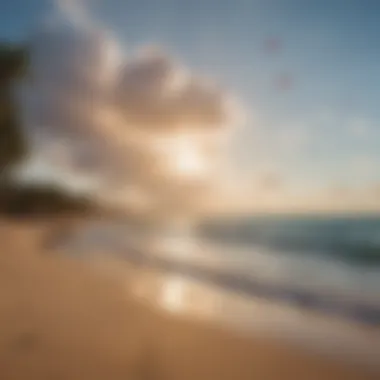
330, 264
354, 240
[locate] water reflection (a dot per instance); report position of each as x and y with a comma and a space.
170, 288
182, 296
173, 294
177, 294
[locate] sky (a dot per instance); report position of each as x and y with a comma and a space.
305, 71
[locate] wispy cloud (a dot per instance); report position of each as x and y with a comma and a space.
75, 10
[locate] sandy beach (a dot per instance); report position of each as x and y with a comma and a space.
60, 319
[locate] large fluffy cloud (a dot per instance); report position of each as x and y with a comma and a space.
143, 120
154, 92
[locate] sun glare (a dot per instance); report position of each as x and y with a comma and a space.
183, 157
189, 161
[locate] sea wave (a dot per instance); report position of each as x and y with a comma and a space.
313, 281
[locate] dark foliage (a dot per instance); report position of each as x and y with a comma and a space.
13, 146
41, 201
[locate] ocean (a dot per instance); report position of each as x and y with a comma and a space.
329, 264
350, 239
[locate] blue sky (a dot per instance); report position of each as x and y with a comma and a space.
322, 131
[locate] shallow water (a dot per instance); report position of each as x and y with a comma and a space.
354, 240
312, 281
198, 283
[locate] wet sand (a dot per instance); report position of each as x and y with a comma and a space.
60, 319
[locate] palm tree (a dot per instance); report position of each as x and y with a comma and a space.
13, 64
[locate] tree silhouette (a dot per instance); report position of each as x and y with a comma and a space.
13, 65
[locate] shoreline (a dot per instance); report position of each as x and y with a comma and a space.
303, 329
61, 319
207, 268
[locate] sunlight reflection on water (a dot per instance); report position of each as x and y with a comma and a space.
173, 294
179, 295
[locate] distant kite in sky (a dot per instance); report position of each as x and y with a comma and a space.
272, 45
284, 82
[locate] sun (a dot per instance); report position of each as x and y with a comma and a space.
189, 161
183, 157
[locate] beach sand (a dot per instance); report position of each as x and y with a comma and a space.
60, 319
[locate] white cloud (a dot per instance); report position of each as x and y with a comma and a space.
75, 10
156, 93
107, 112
